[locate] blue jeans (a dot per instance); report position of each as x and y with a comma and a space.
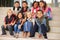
27, 26
16, 30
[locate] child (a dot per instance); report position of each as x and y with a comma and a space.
24, 7
16, 7
28, 25
47, 12
9, 23
18, 25
41, 22
34, 9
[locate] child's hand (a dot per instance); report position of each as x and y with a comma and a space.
23, 20
19, 27
5, 25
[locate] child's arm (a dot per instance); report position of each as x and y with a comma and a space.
19, 27
33, 20
5, 22
13, 23
5, 25
44, 22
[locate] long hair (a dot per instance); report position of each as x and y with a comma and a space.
22, 9
45, 4
35, 2
21, 14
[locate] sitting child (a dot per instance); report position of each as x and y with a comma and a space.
19, 23
28, 25
9, 22
41, 22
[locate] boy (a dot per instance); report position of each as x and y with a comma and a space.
41, 22
8, 23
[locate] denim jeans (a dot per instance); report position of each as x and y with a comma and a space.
9, 27
27, 26
16, 30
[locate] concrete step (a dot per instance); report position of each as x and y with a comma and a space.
54, 36
55, 29
54, 24
51, 35
25, 39
20, 39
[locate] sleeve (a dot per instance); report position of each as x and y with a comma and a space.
44, 21
5, 20
37, 22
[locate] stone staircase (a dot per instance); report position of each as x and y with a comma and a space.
54, 34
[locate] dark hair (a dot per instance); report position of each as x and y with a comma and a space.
41, 11
16, 2
22, 9
18, 7
21, 13
24, 2
45, 4
35, 2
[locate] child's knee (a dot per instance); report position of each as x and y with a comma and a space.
2, 26
15, 26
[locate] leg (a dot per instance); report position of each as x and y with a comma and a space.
47, 24
40, 33
3, 30
28, 34
33, 30
25, 34
10, 29
18, 30
15, 28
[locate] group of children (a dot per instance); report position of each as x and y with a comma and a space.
28, 20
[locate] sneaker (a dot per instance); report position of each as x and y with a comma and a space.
45, 39
3, 34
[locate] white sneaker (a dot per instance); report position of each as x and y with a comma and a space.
45, 39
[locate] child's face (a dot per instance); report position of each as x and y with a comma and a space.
20, 15
35, 5
16, 5
24, 5
39, 14
9, 12
29, 15
41, 4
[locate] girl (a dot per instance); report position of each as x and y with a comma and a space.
34, 9
16, 7
41, 22
9, 23
24, 7
19, 24
28, 25
47, 12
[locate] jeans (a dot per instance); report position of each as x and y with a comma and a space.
16, 30
9, 27
27, 26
